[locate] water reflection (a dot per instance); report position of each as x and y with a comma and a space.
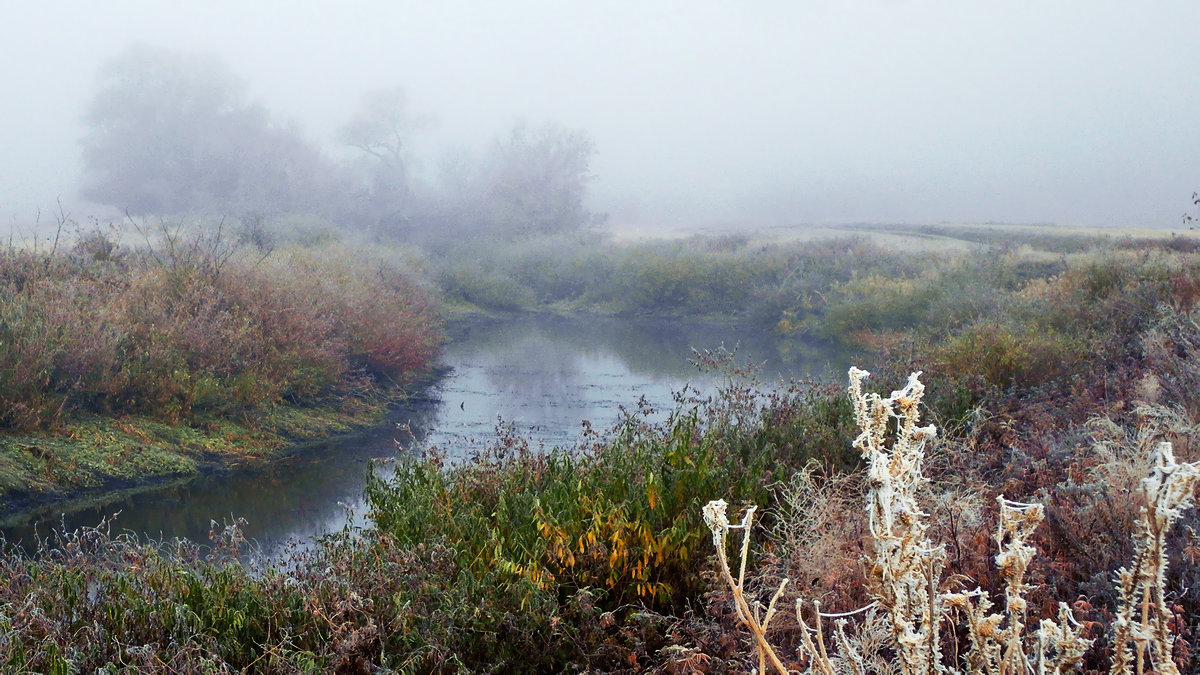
546, 374
542, 375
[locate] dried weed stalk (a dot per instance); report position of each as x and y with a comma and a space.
1141, 629
997, 641
907, 567
748, 613
905, 571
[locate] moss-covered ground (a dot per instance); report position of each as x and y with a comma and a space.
90, 453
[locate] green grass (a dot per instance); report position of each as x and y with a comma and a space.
92, 452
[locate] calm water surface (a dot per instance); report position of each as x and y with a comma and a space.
543, 376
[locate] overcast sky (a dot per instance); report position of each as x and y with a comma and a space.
703, 113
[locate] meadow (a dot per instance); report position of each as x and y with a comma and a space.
1052, 362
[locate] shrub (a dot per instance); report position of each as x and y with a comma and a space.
1004, 358
496, 291
192, 326
614, 519
56, 345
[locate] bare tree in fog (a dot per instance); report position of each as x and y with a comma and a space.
538, 181
381, 129
172, 132
532, 184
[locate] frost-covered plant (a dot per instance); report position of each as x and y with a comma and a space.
907, 567
1141, 629
905, 571
747, 612
997, 641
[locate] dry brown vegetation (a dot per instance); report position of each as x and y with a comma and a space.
192, 323
189, 331
906, 586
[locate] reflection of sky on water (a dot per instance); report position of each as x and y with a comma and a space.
542, 375
545, 375
548, 404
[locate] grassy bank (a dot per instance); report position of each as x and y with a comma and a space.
863, 284
90, 455
122, 363
988, 307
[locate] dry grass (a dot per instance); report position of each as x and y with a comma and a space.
194, 324
912, 609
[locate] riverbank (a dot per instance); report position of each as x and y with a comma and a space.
192, 353
541, 374
92, 457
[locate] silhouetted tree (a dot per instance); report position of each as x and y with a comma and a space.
173, 132
381, 128
537, 181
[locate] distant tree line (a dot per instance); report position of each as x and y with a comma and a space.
172, 132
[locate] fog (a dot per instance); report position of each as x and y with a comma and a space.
701, 114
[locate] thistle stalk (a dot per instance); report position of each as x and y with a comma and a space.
1168, 491
906, 569
718, 523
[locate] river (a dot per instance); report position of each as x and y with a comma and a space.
542, 376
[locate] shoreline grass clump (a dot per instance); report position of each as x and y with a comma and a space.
612, 515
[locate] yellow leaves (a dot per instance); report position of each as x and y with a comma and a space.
586, 541
542, 578
790, 322
650, 589
594, 540
653, 495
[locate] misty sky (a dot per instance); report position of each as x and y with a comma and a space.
704, 114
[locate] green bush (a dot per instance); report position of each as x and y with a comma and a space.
616, 517
1005, 358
